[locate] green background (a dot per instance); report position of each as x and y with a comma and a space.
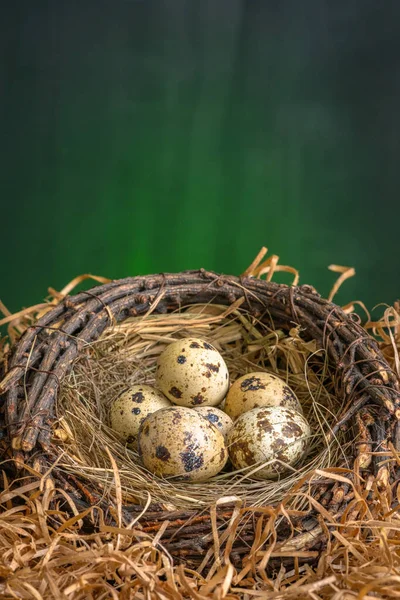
146, 136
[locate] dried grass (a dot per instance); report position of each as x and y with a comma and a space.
127, 353
45, 555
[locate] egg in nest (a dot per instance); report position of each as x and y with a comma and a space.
256, 390
131, 408
191, 372
275, 435
217, 417
179, 442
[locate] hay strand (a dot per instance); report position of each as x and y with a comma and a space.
363, 560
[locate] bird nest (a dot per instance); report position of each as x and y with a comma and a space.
84, 349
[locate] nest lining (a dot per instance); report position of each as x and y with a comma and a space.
126, 354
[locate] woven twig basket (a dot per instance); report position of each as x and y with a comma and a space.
45, 353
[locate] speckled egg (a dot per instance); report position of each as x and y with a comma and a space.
256, 390
273, 433
191, 372
217, 417
178, 442
131, 408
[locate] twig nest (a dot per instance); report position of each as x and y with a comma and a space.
131, 408
191, 372
274, 435
217, 417
256, 390
179, 442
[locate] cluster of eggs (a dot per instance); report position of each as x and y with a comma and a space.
192, 422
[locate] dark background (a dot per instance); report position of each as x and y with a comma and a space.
148, 136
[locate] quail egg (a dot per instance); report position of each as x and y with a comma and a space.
131, 407
217, 417
257, 390
191, 372
178, 442
275, 435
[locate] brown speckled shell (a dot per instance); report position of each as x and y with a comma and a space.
256, 390
275, 434
191, 372
130, 409
217, 417
178, 442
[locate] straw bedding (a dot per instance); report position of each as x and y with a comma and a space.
83, 519
126, 355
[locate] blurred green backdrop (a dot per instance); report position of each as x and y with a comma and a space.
148, 136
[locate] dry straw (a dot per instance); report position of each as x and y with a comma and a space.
126, 354
54, 547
